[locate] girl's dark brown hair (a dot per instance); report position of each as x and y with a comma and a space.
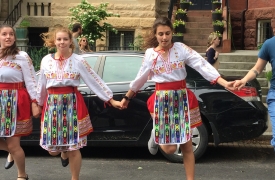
13, 49
151, 40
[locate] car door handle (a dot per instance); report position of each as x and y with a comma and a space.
83, 92
150, 88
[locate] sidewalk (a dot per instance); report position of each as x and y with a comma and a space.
261, 142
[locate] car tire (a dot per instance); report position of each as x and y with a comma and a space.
199, 142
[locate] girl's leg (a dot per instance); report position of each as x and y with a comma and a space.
168, 149
18, 154
75, 163
9, 158
188, 160
54, 153
188, 157
3, 145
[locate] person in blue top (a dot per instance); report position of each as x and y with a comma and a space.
266, 54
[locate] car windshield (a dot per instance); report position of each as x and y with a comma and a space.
121, 68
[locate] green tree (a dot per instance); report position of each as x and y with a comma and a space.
92, 19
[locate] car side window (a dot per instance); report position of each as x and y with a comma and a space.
121, 68
91, 60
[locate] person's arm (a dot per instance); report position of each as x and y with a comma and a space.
41, 84
141, 78
28, 75
252, 74
95, 83
30, 82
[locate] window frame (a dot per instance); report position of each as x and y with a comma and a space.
121, 46
261, 31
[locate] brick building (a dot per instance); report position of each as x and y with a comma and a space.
253, 21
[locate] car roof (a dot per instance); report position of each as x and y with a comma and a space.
115, 52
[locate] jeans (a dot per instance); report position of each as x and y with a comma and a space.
271, 110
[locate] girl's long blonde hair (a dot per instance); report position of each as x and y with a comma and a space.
49, 37
87, 47
211, 38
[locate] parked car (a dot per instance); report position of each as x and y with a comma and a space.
227, 116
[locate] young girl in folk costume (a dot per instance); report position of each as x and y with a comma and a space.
65, 122
211, 52
17, 97
173, 107
84, 45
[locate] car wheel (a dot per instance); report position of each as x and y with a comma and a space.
199, 142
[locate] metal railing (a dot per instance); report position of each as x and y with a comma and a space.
14, 15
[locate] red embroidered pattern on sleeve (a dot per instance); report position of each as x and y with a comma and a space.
215, 81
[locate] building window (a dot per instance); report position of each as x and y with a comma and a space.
121, 41
264, 31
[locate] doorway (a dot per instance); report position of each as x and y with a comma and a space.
201, 5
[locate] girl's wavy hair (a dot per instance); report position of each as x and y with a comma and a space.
49, 37
13, 49
211, 38
151, 40
87, 47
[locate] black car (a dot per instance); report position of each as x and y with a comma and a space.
227, 116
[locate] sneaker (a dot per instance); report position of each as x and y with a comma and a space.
152, 146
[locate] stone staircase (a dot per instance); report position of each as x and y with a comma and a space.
238, 63
198, 28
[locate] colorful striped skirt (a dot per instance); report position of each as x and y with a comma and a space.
15, 109
175, 111
65, 121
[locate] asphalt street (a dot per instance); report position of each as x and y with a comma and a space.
230, 161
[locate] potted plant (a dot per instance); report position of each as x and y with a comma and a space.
179, 26
218, 26
181, 14
22, 30
185, 4
177, 37
216, 15
216, 4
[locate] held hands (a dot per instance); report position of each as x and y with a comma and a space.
36, 110
234, 85
115, 104
124, 103
238, 84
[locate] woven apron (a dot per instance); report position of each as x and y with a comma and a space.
65, 121
175, 111
15, 109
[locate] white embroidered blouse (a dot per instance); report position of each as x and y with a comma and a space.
55, 73
172, 69
19, 68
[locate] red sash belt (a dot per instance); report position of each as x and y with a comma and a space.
62, 90
18, 85
171, 85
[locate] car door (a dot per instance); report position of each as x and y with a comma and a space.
120, 125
